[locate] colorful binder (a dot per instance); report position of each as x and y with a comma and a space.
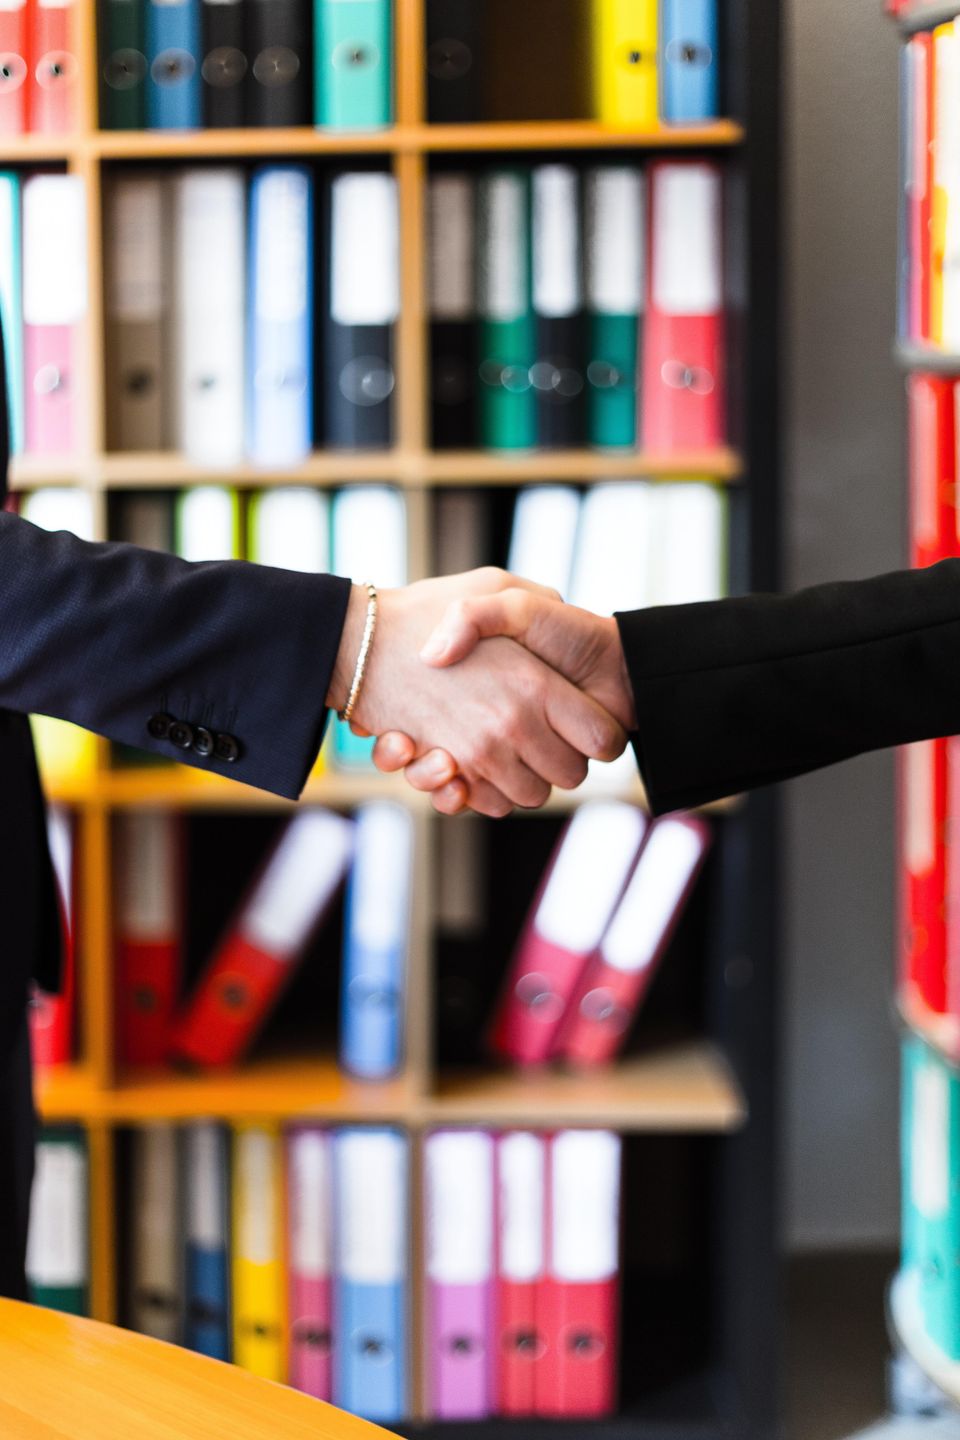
256, 956
376, 936
920, 184
225, 69
544, 535
615, 246
58, 1247
578, 1295
450, 209
370, 1370
54, 93
943, 100
353, 64
576, 901
54, 305
148, 929
14, 68
507, 329
173, 40
931, 1191
137, 303
280, 362
923, 809
257, 1268
557, 297
459, 1198
689, 64
617, 977
625, 44
521, 1252
11, 302
156, 1290
206, 1179
364, 303
207, 523
280, 88
123, 67
52, 1016
310, 1259
933, 467
684, 391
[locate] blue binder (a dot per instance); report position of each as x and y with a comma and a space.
689, 72
207, 1312
280, 316
353, 64
173, 60
375, 941
370, 1284
205, 1169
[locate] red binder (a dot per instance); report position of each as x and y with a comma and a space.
54, 67
920, 189
52, 1016
617, 977
683, 399
520, 1219
14, 68
148, 928
583, 883
578, 1298
256, 956
923, 823
933, 464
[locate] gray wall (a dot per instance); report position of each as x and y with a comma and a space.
843, 519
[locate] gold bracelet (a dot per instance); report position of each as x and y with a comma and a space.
366, 644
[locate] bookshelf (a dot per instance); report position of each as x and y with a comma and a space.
699, 1099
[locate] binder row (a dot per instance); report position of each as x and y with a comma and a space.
651, 61
183, 64
39, 86
287, 1250
930, 1167
572, 307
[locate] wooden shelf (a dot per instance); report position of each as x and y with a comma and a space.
686, 1087
164, 470
925, 17
906, 1327
942, 1032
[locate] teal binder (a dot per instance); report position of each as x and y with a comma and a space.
614, 203
612, 380
932, 1191
11, 302
507, 325
58, 1244
353, 64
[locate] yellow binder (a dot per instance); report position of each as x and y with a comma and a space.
625, 62
259, 1297
944, 98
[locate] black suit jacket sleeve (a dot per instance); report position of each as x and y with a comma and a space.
108, 635
737, 693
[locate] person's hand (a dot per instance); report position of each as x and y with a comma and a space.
582, 646
515, 725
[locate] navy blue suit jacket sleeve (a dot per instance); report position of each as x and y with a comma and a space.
737, 693
108, 635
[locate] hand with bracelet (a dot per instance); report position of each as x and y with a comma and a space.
516, 726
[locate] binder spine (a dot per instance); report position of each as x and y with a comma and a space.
224, 70
359, 386
206, 1321
14, 69
453, 62
688, 60
280, 86
123, 65
353, 64
53, 94
173, 58
613, 344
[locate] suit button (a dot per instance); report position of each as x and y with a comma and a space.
203, 741
181, 735
159, 725
227, 748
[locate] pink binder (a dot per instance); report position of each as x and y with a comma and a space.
54, 305
309, 1249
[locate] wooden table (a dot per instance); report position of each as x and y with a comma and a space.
62, 1378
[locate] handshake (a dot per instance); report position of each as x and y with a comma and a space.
486, 689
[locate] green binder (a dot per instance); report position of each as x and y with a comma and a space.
613, 196
123, 66
353, 64
11, 301
507, 326
612, 380
58, 1247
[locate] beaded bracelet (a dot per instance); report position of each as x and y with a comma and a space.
366, 644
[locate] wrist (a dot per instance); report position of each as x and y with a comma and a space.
351, 638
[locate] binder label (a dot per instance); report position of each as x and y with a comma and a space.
302, 873
921, 824
282, 260
585, 1205
451, 247
148, 883
588, 874
502, 275
930, 1140
57, 1244
257, 1196
615, 240
666, 863
460, 1207
310, 1197
521, 1213
687, 275
206, 1197
556, 248
371, 1181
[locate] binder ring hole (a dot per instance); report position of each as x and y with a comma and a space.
449, 59
688, 52
55, 69
601, 1007
353, 56
13, 72
366, 381
125, 69
48, 380
687, 377
604, 376
536, 994
224, 67
173, 67
276, 66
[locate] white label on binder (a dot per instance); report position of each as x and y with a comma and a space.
556, 241
585, 1205
370, 1167
595, 856
687, 274
60, 841
283, 227
155, 1169
206, 1193
380, 908
450, 200
613, 566
292, 529
310, 1203
57, 1244
615, 240
930, 1139
54, 250
520, 1169
459, 1197
919, 778
147, 856
502, 270
206, 523
257, 1198
667, 861
370, 535
364, 261
8, 6
689, 543
136, 273
544, 537
301, 875
60, 508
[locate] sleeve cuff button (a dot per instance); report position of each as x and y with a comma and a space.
181, 735
203, 742
158, 726
227, 748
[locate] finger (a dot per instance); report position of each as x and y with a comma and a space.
486, 799
393, 752
538, 622
432, 771
489, 579
502, 766
359, 730
547, 755
451, 799
579, 720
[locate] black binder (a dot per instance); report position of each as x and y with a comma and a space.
453, 61
453, 328
225, 66
278, 49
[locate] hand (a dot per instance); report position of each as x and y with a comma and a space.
517, 726
584, 647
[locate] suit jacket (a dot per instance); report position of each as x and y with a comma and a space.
225, 666
732, 694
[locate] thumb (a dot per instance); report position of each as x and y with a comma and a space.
467, 622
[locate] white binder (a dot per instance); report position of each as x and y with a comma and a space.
544, 537
290, 529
